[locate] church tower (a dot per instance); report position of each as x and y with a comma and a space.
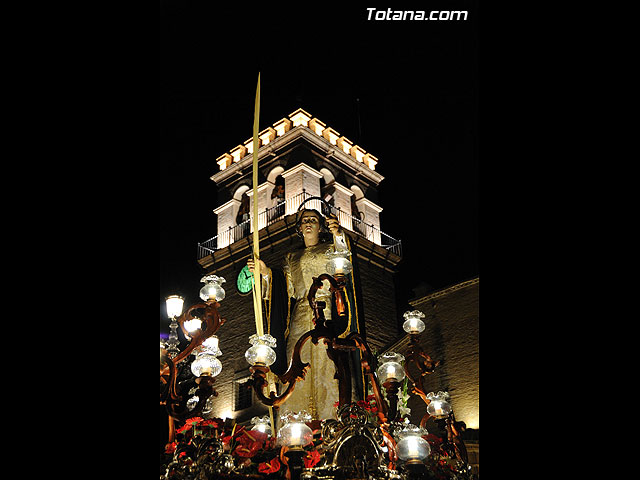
299, 157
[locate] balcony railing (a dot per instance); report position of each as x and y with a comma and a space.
289, 207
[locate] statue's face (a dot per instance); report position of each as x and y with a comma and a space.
310, 225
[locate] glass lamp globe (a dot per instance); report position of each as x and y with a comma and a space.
439, 406
261, 353
262, 424
208, 405
294, 432
391, 367
339, 263
411, 447
192, 325
206, 364
174, 305
212, 290
211, 345
413, 322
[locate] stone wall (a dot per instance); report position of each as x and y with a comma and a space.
451, 336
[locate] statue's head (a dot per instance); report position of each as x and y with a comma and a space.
311, 225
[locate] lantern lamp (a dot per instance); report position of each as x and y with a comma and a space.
261, 353
211, 345
261, 424
212, 290
206, 365
174, 305
391, 367
411, 447
413, 322
439, 406
192, 325
339, 263
294, 432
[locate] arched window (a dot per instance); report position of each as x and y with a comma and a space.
243, 215
278, 199
358, 217
327, 189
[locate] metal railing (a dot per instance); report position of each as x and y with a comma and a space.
289, 207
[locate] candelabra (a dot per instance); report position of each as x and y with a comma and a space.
200, 330
385, 372
358, 444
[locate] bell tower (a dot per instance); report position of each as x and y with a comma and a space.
299, 157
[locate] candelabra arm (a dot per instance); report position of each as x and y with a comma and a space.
297, 371
211, 321
369, 365
392, 387
425, 366
174, 401
454, 440
169, 393
336, 288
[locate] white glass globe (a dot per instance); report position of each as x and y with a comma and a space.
261, 424
390, 367
192, 325
174, 305
413, 322
211, 344
295, 432
206, 364
339, 263
261, 353
212, 289
439, 406
411, 446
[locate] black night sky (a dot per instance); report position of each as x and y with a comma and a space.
406, 91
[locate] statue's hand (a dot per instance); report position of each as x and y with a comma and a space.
333, 225
263, 266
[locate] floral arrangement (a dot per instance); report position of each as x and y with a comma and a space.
214, 448
248, 452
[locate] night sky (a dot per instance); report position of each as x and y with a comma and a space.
405, 91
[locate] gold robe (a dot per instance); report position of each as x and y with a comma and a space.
318, 392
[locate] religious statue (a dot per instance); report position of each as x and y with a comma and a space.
289, 314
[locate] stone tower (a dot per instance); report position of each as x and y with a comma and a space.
309, 159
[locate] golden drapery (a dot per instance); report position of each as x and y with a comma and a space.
319, 391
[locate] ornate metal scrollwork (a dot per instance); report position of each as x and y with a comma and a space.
352, 448
425, 365
171, 395
336, 350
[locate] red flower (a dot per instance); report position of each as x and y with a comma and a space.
249, 437
193, 420
248, 451
184, 428
271, 467
249, 442
311, 459
210, 423
171, 447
